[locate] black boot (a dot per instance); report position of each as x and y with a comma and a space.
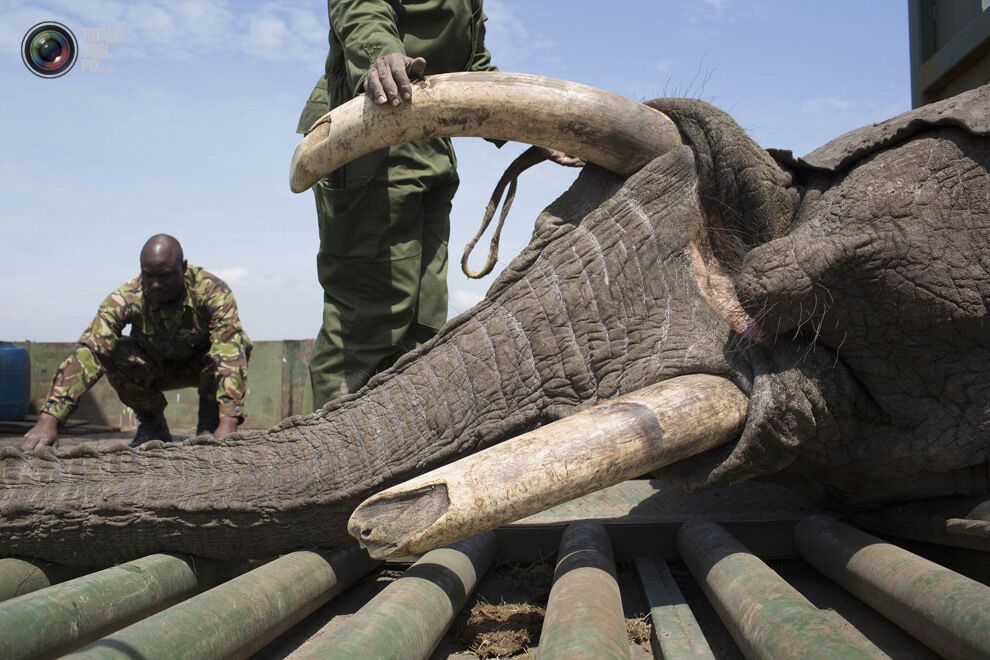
151, 426
209, 416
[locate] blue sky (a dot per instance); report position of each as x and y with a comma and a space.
192, 130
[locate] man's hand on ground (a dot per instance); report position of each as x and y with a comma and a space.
226, 426
43, 434
388, 78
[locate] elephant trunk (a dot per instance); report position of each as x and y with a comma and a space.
260, 493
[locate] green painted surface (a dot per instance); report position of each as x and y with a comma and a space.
278, 387
20, 576
409, 617
767, 617
52, 621
948, 612
584, 612
239, 617
676, 634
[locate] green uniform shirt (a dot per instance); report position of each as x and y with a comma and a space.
450, 34
205, 323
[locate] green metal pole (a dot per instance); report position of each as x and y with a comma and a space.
22, 576
407, 619
946, 611
584, 613
55, 620
239, 617
766, 616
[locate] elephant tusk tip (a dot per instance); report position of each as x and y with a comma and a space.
297, 182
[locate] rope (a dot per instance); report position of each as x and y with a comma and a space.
523, 162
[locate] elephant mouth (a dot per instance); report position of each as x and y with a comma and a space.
716, 286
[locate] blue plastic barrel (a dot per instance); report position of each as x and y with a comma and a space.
15, 382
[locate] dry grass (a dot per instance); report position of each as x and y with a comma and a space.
511, 629
503, 630
638, 630
508, 629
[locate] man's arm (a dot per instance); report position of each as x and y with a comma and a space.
229, 350
374, 57
79, 372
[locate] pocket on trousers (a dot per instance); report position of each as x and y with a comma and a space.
352, 220
352, 206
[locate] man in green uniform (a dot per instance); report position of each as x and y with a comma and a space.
385, 218
184, 332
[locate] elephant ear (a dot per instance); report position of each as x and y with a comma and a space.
882, 225
968, 111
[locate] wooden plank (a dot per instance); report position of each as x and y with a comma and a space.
676, 633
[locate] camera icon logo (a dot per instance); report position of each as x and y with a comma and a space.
49, 50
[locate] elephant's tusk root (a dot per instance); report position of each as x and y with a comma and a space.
590, 450
608, 130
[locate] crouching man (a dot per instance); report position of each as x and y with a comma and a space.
184, 331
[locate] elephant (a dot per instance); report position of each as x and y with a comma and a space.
845, 293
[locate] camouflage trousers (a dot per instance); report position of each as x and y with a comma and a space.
140, 378
384, 227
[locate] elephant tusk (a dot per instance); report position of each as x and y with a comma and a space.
590, 450
608, 130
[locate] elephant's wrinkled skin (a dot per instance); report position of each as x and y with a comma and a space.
846, 293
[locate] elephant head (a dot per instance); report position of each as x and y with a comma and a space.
845, 293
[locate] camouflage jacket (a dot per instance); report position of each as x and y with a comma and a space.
205, 324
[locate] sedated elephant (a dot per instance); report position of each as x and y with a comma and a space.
845, 293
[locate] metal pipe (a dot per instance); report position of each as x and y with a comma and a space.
766, 616
57, 619
946, 611
584, 613
587, 451
239, 617
407, 619
22, 576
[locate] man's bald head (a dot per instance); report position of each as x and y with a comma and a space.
163, 269
161, 248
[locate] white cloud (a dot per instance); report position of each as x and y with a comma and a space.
826, 104
182, 29
513, 46
717, 8
241, 276
462, 299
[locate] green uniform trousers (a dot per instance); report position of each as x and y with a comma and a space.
384, 225
140, 379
